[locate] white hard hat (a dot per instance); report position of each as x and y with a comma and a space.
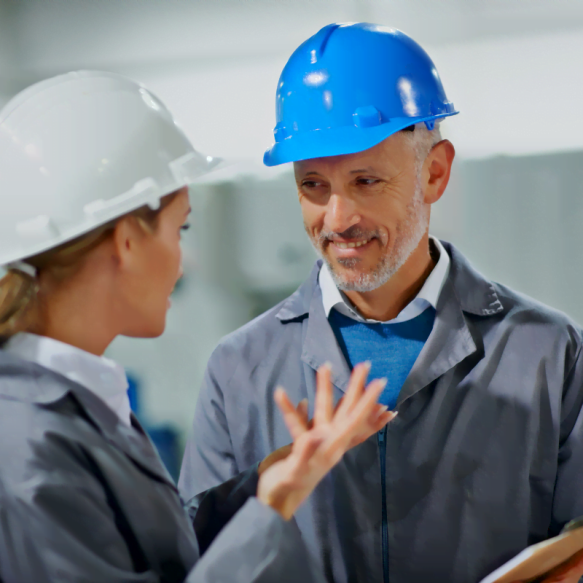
81, 149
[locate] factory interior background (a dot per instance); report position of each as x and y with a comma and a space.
514, 205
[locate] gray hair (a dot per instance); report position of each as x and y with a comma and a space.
422, 140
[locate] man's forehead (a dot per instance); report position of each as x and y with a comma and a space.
372, 160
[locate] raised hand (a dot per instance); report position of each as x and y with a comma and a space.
319, 445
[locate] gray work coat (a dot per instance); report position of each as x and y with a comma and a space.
83, 498
485, 457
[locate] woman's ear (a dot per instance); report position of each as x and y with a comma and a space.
127, 239
437, 170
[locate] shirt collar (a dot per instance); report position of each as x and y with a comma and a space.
428, 295
102, 376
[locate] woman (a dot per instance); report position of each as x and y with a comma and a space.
93, 191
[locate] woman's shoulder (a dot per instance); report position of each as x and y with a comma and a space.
39, 417
27, 382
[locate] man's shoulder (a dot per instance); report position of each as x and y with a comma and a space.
483, 297
277, 327
524, 308
258, 334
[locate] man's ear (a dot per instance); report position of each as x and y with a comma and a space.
437, 170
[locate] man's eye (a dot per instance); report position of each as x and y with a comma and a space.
310, 184
367, 181
185, 227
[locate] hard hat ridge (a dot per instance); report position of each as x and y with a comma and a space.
349, 87
81, 149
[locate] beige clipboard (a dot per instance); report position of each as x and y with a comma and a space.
535, 561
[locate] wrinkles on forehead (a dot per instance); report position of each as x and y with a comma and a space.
392, 156
397, 152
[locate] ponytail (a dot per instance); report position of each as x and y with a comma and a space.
18, 302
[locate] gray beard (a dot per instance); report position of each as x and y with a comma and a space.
409, 234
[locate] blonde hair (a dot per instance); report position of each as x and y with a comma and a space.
20, 307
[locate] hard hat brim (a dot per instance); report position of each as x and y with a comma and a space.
338, 141
80, 150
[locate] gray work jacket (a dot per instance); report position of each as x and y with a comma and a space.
485, 457
84, 498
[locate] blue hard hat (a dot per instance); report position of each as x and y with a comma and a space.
349, 87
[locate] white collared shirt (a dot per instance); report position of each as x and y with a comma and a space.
428, 295
100, 375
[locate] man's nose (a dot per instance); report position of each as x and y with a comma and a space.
341, 213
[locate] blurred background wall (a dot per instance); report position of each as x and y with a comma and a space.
514, 205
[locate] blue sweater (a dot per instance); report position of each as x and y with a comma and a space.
391, 348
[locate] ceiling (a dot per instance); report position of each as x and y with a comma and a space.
40, 37
507, 64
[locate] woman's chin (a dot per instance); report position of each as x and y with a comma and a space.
152, 330
159, 329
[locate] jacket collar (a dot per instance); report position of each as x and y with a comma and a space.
26, 381
298, 304
104, 377
476, 294
465, 291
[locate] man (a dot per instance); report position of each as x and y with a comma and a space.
486, 455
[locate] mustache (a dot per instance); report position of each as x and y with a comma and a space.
354, 232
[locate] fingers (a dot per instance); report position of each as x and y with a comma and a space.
302, 410
292, 419
349, 428
366, 404
355, 387
305, 448
380, 412
376, 412
379, 423
324, 405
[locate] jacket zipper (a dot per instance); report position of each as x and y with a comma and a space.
382, 435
